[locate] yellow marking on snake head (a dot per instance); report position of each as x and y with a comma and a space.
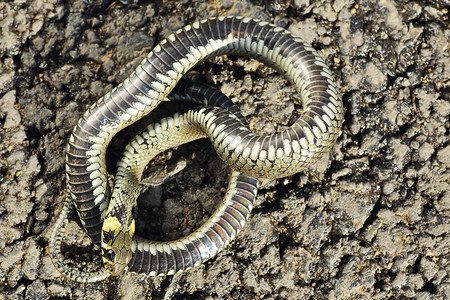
132, 228
111, 224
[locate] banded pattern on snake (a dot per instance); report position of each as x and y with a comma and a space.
273, 156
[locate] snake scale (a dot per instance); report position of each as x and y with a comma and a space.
272, 156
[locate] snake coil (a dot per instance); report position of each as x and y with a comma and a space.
272, 156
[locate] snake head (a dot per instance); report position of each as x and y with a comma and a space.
116, 244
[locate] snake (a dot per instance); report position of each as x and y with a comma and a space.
270, 156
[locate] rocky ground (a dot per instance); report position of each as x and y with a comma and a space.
371, 220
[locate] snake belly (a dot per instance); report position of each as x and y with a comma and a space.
272, 156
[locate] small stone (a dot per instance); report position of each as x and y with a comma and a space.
28, 60
443, 156
400, 153
38, 43
249, 278
425, 151
41, 215
442, 107
425, 101
374, 79
413, 281
96, 89
92, 37
415, 145
33, 167
8, 235
248, 84
57, 290
307, 30
6, 80
428, 268
41, 190
341, 173
14, 275
388, 188
301, 3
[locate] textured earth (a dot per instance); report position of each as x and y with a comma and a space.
370, 220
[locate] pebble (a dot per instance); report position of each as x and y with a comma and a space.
36, 290
425, 151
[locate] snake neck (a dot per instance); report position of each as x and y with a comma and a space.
119, 228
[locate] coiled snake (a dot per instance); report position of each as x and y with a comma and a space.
272, 156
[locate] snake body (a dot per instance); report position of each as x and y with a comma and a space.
272, 156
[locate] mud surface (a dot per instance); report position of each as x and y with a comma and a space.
371, 220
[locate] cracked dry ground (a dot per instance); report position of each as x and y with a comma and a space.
371, 220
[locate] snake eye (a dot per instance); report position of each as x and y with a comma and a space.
109, 255
108, 236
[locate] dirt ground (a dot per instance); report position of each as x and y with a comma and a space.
369, 221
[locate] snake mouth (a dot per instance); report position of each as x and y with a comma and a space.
120, 264
116, 262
